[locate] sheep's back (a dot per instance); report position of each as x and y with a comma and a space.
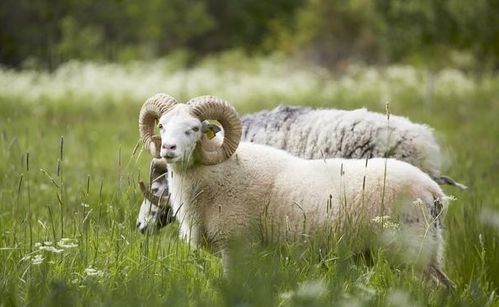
329, 133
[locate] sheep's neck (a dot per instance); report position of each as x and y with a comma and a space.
185, 191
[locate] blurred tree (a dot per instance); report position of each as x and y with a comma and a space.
163, 26
334, 32
478, 24
429, 30
29, 29
79, 42
423, 28
246, 24
50, 32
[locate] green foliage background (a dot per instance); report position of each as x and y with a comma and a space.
332, 33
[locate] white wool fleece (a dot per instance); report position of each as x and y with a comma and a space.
328, 133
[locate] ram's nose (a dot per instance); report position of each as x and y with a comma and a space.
168, 151
169, 146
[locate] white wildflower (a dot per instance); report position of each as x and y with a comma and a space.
47, 246
91, 271
38, 259
269, 77
453, 81
67, 243
85, 205
51, 249
418, 202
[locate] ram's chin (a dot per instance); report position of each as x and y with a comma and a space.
171, 160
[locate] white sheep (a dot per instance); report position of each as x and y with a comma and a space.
238, 188
324, 133
329, 133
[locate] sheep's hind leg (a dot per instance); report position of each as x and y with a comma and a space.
440, 277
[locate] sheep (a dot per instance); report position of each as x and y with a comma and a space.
327, 133
154, 210
235, 189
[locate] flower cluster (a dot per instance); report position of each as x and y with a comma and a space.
269, 77
37, 256
91, 271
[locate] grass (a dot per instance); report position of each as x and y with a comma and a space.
67, 220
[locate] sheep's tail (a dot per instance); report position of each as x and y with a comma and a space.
449, 181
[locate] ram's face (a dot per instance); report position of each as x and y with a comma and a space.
152, 218
179, 132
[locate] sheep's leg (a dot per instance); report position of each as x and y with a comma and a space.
440, 277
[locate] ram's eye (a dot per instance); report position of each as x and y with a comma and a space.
188, 132
195, 129
160, 126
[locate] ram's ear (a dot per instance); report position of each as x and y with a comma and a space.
210, 130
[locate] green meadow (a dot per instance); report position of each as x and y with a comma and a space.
69, 195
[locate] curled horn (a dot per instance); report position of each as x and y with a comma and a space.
214, 108
160, 201
152, 109
157, 166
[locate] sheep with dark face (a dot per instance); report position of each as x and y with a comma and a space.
326, 133
233, 190
155, 209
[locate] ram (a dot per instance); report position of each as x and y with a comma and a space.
240, 189
317, 134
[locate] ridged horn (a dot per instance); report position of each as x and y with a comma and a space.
214, 108
160, 201
151, 111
